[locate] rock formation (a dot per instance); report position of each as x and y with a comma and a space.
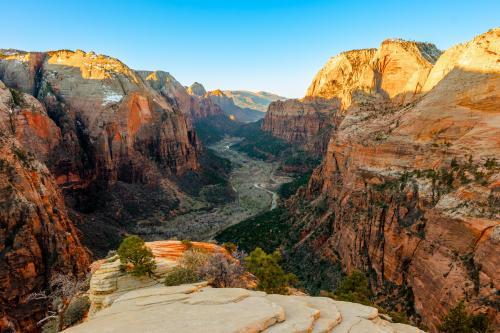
37, 239
306, 122
411, 183
112, 123
253, 100
393, 74
233, 111
192, 101
197, 89
109, 282
194, 308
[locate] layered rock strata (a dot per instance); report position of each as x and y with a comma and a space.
193, 101
412, 192
37, 239
233, 111
392, 75
193, 308
113, 125
109, 282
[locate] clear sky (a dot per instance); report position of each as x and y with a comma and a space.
271, 45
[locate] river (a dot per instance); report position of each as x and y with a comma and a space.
255, 183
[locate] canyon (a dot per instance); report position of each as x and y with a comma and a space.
407, 188
407, 191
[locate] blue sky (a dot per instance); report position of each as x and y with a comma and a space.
271, 45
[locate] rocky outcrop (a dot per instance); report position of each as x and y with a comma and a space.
192, 101
233, 111
253, 100
114, 142
25, 118
37, 239
392, 75
192, 308
397, 70
196, 89
308, 122
109, 282
412, 193
113, 125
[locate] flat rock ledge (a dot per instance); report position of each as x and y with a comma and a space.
198, 308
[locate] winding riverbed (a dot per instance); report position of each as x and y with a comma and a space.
255, 183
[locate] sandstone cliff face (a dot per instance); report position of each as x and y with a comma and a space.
36, 237
392, 75
412, 193
197, 89
253, 100
233, 111
113, 125
192, 101
396, 70
307, 122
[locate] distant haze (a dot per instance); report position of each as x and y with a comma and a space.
275, 46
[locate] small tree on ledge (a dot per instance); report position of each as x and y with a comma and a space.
266, 267
133, 251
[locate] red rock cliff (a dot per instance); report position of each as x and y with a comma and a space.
195, 106
394, 74
36, 237
113, 125
412, 193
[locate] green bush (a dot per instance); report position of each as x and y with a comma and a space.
51, 326
187, 243
133, 250
188, 270
272, 278
458, 320
354, 288
181, 275
76, 310
230, 247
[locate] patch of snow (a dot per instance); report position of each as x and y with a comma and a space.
110, 97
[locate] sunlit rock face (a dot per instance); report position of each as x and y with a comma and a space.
233, 111
197, 89
253, 100
392, 75
397, 70
195, 106
113, 125
411, 196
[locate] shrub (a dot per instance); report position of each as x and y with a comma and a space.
222, 271
51, 326
230, 247
354, 288
458, 320
76, 310
188, 270
272, 278
133, 250
181, 275
491, 163
194, 259
187, 243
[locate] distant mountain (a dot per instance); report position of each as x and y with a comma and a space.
235, 112
253, 100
